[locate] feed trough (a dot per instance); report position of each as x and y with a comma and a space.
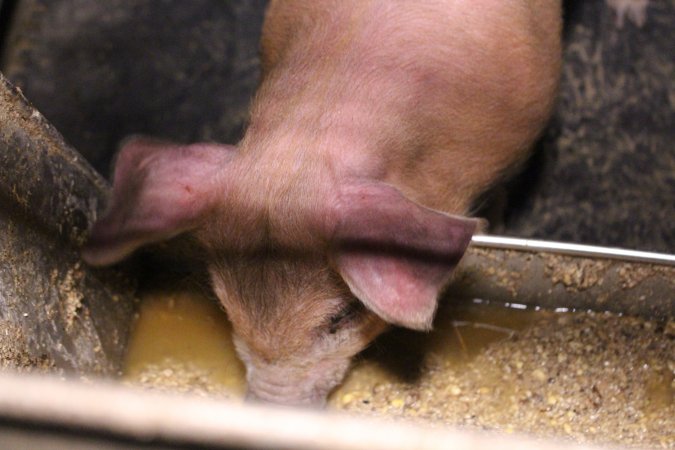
70, 325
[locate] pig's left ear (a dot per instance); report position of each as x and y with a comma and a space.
160, 189
394, 254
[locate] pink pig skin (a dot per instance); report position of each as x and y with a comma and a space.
376, 125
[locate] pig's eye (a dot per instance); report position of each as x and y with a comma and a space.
348, 314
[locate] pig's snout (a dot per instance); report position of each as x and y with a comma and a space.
285, 395
298, 385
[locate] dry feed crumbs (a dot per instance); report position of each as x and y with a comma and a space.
591, 377
175, 376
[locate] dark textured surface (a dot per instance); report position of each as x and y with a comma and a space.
55, 313
183, 70
605, 172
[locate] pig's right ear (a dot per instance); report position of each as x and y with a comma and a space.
394, 254
160, 190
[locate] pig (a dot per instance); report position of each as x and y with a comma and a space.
344, 208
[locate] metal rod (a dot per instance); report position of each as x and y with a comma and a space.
589, 251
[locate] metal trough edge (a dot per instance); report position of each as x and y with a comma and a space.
147, 417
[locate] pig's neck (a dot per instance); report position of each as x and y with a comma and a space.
289, 170
313, 140
357, 118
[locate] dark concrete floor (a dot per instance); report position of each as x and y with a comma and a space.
604, 172
183, 70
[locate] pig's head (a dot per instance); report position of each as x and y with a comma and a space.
307, 276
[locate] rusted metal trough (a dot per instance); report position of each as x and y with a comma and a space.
56, 314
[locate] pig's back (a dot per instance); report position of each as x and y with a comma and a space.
450, 93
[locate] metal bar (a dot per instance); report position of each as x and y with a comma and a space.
587, 251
